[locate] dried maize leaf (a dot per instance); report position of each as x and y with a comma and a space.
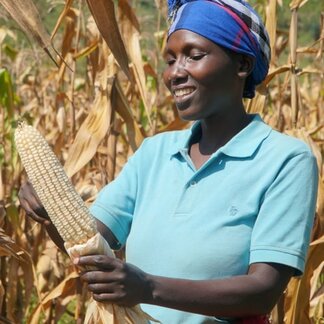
25, 13
2, 293
96, 125
130, 30
9, 248
63, 14
296, 4
92, 131
271, 26
62, 290
119, 100
103, 12
299, 289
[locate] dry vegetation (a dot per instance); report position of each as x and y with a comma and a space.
96, 107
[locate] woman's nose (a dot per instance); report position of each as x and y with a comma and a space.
178, 70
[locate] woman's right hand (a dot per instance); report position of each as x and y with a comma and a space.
31, 204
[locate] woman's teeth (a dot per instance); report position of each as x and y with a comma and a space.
182, 92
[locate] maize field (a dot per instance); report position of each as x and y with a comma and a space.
87, 75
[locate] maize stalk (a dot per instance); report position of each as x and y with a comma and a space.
63, 204
70, 216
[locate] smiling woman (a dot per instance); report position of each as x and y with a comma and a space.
216, 219
203, 76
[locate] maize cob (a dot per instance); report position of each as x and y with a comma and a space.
70, 216
63, 204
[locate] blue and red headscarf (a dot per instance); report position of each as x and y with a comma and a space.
232, 24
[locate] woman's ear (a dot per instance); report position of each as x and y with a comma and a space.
246, 65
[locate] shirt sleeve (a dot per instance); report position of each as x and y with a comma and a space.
115, 203
283, 227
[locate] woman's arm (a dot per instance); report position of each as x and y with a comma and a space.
253, 294
247, 295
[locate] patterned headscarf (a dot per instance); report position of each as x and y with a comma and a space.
232, 24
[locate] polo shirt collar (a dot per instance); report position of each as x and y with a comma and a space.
242, 145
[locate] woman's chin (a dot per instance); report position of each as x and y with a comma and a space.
188, 115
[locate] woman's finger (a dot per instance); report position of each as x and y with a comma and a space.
27, 193
95, 276
102, 288
29, 211
98, 261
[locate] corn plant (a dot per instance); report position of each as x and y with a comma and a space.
92, 87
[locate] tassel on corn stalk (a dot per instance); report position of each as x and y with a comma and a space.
70, 215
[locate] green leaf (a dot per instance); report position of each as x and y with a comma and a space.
143, 116
10, 51
6, 92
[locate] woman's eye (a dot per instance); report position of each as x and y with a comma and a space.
169, 61
196, 57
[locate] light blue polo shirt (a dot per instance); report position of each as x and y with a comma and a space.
252, 201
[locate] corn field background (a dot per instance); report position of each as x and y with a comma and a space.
87, 74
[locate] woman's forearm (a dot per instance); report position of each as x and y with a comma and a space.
229, 297
246, 295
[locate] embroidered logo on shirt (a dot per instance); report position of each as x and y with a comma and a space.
233, 211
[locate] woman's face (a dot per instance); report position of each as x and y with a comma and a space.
201, 76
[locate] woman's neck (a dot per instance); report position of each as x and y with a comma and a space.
216, 131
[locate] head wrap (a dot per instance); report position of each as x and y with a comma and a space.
232, 24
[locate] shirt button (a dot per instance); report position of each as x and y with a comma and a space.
193, 183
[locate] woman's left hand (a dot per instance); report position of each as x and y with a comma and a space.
114, 281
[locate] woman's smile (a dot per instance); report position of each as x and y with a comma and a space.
183, 91
183, 96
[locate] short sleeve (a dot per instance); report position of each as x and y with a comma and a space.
283, 227
115, 203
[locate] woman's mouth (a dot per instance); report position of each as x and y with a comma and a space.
183, 93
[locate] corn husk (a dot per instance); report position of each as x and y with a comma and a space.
104, 313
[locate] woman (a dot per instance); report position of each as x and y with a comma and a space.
216, 219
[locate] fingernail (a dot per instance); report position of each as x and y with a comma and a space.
76, 260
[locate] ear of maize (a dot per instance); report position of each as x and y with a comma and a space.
70, 216
63, 204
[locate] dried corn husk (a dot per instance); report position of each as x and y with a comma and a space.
101, 313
